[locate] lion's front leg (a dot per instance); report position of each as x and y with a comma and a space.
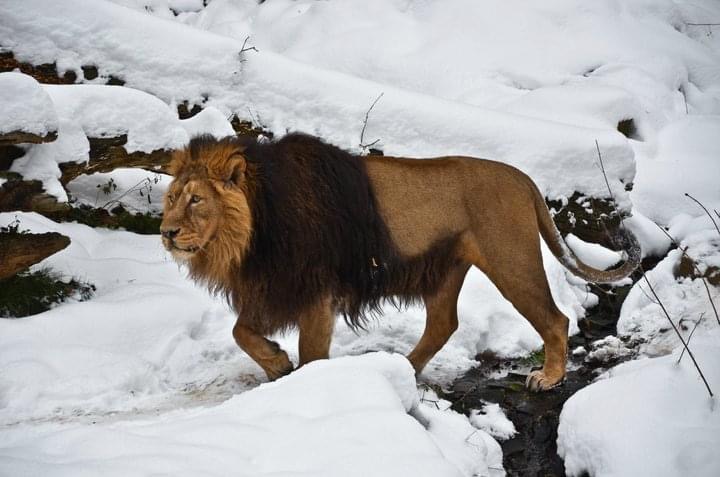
316, 328
268, 354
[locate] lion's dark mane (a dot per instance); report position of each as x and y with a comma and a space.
317, 231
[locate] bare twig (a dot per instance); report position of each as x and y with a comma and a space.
702, 315
143, 184
245, 49
706, 211
362, 144
652, 290
697, 270
703, 24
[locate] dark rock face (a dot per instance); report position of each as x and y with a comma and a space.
590, 219
45, 73
22, 137
18, 251
108, 154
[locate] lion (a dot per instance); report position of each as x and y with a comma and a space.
295, 232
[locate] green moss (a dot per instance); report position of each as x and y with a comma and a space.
30, 293
536, 358
146, 223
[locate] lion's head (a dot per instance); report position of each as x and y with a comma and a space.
206, 219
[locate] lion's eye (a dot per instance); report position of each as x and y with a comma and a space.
195, 199
171, 199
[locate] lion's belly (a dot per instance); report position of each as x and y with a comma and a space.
419, 200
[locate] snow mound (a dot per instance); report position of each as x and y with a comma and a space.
492, 420
348, 416
110, 111
648, 417
208, 121
25, 105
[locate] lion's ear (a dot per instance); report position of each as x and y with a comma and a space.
236, 168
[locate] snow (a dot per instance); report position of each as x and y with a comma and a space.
685, 157
647, 417
25, 106
593, 254
685, 299
492, 420
41, 161
208, 121
324, 405
96, 111
110, 111
165, 339
286, 94
652, 416
136, 190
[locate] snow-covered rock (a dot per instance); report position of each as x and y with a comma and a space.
25, 106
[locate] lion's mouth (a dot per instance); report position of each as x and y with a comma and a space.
175, 249
191, 249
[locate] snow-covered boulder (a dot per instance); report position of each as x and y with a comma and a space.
28, 114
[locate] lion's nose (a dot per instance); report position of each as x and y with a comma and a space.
169, 233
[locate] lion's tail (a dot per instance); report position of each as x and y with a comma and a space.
557, 245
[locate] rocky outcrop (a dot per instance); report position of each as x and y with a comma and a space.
19, 251
22, 137
108, 154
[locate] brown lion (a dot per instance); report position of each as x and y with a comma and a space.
296, 231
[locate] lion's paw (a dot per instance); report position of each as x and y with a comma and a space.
537, 381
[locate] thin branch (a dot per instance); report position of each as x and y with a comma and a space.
367, 115
247, 48
703, 24
697, 270
706, 211
702, 315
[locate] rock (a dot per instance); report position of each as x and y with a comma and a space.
688, 268
26, 196
22, 137
8, 154
48, 72
108, 154
592, 220
19, 250
45, 73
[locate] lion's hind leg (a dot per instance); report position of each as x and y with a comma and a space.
268, 354
517, 271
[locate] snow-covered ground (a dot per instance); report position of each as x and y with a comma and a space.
145, 374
